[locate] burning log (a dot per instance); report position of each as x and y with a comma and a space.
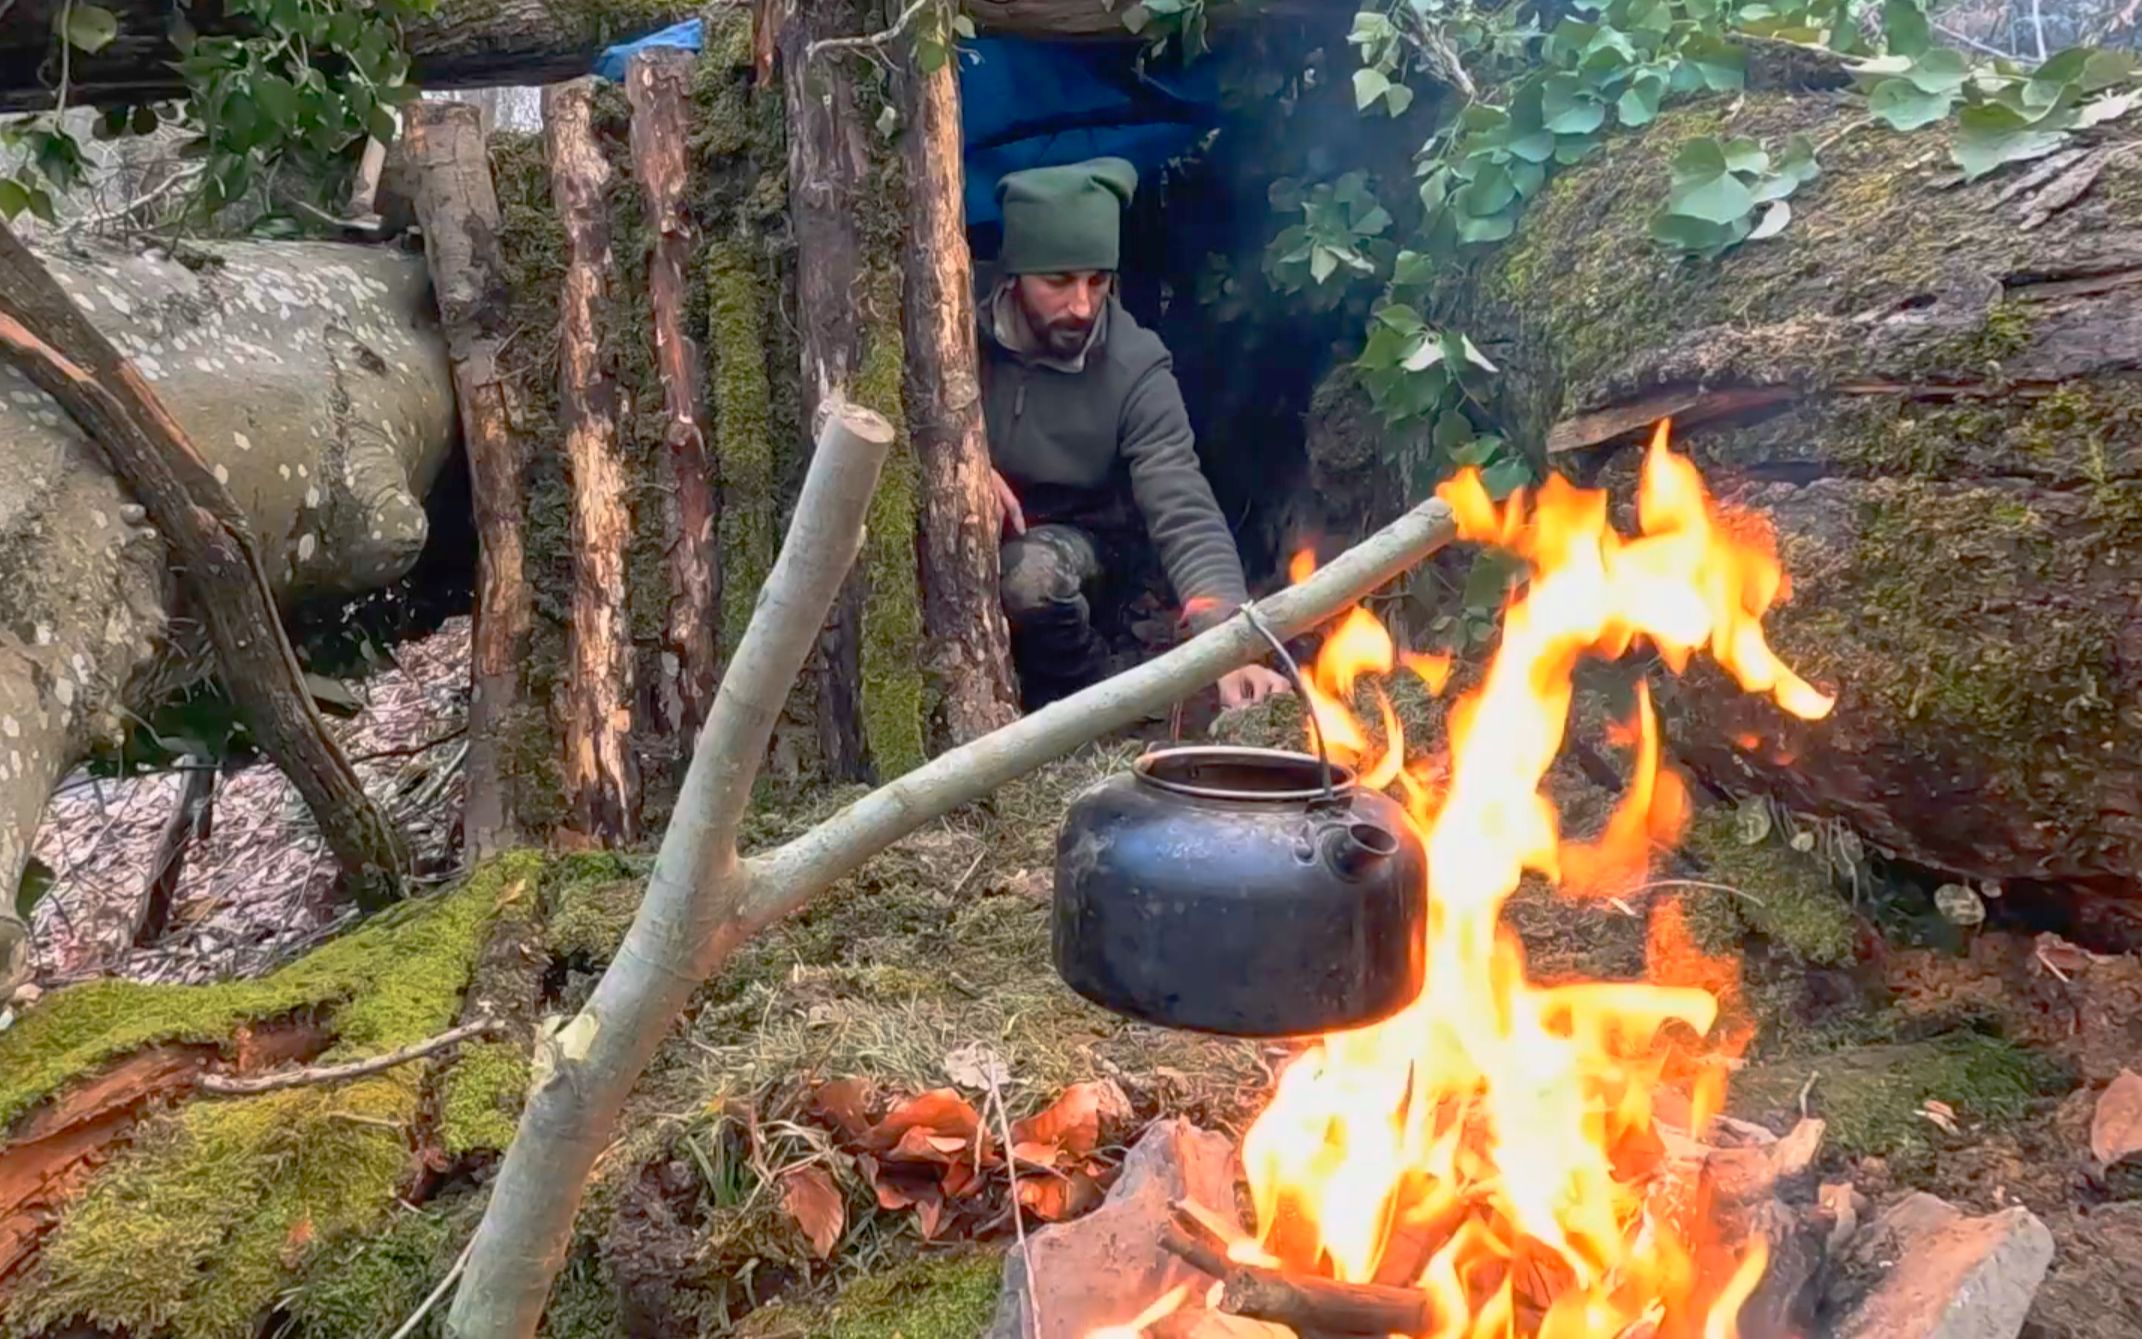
1305, 1303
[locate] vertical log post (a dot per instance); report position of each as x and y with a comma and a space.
658, 85
595, 706
963, 621
458, 210
828, 173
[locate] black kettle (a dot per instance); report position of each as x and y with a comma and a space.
1242, 891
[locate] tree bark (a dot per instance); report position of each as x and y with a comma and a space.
601, 780
1930, 391
464, 44
703, 899
658, 85
963, 619
345, 419
458, 210
829, 178
45, 335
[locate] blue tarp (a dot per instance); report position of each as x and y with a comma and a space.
1035, 103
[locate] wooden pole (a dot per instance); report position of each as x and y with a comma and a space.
44, 334
458, 210
828, 173
601, 781
968, 644
658, 84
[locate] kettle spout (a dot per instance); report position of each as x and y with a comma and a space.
1355, 848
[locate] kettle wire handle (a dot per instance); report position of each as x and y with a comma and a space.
1301, 690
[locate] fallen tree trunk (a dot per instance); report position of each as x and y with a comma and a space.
346, 419
45, 336
449, 180
601, 782
1932, 390
463, 44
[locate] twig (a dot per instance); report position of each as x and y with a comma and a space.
1694, 883
141, 201
424, 1307
1302, 1302
411, 750
1806, 1088
874, 42
226, 1086
2037, 23
1011, 1180
1970, 41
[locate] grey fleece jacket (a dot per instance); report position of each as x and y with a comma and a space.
1068, 435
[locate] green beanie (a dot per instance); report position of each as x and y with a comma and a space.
1061, 219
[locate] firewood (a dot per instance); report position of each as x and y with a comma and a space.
1305, 1303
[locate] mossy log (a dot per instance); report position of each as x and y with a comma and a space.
346, 420
1932, 389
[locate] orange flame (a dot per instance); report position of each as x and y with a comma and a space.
1492, 1143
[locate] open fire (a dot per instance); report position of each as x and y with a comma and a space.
1493, 1145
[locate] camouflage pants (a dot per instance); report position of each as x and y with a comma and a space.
1053, 575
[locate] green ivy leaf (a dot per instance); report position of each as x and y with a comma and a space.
14, 198
1384, 349
1473, 355
41, 205
1501, 479
1745, 155
1571, 150
963, 26
1991, 134
1773, 221
1685, 233
1799, 160
2104, 69
1902, 105
1568, 108
1401, 318
1424, 355
1398, 98
1940, 71
1528, 177
1489, 192
277, 98
1323, 261
1904, 25
1639, 103
1491, 228
1369, 85
1722, 65
1453, 433
1413, 268
1534, 146
88, 28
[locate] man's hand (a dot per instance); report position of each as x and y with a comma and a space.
1008, 505
1250, 685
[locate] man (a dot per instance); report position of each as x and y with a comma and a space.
1095, 462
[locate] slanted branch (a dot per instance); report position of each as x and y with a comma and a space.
1306, 1303
46, 336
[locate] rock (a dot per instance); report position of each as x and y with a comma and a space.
1901, 1226
1971, 1279
1102, 1269
2116, 1125
27, 994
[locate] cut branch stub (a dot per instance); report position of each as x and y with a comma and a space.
48, 338
601, 781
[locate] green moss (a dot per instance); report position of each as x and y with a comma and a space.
480, 1097
372, 1286
1871, 1095
893, 679
743, 435
936, 1297
1781, 894
229, 1196
590, 920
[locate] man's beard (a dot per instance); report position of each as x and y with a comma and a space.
1066, 339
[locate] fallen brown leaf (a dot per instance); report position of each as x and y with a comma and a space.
300, 1236
845, 1103
2116, 1126
1053, 1199
811, 1198
940, 1113
1075, 1121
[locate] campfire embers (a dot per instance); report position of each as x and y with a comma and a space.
1494, 1145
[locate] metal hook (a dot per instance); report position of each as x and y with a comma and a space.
1301, 690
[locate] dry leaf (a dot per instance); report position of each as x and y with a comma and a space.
1076, 1121
1053, 1199
811, 1198
941, 1112
845, 1103
976, 1066
300, 1236
2116, 1127
1941, 1114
